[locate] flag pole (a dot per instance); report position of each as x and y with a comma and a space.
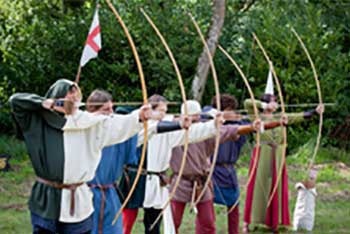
93, 32
77, 78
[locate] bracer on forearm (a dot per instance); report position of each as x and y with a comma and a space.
168, 126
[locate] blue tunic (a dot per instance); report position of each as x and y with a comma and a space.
108, 172
226, 187
225, 173
128, 179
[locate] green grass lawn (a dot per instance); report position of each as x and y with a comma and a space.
332, 206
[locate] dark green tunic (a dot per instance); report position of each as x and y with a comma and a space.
43, 135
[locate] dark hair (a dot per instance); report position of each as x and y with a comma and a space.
96, 100
155, 99
226, 101
268, 98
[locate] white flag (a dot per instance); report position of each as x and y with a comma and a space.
93, 42
269, 84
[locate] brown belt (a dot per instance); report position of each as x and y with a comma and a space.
134, 169
271, 144
103, 189
225, 164
163, 178
199, 178
71, 187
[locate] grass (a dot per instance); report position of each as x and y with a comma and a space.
333, 187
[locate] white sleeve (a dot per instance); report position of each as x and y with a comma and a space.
118, 128
151, 130
197, 132
212, 112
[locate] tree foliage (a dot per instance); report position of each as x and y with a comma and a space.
42, 40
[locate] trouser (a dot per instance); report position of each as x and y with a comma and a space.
233, 220
42, 225
205, 219
129, 218
39, 230
150, 216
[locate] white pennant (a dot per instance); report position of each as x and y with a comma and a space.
269, 84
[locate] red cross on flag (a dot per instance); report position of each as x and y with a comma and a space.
93, 42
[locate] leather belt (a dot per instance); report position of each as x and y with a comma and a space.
164, 180
103, 188
71, 187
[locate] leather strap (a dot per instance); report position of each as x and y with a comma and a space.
56, 185
103, 188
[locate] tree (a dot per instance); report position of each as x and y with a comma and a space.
214, 32
217, 22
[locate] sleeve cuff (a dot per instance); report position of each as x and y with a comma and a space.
168, 126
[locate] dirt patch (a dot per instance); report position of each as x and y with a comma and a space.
343, 169
2, 189
26, 188
323, 185
343, 195
337, 165
17, 207
16, 168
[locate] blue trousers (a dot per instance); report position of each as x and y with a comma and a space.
50, 226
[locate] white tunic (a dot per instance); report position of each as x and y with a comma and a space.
85, 135
158, 158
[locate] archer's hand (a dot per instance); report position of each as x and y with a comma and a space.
51, 104
320, 109
145, 112
185, 122
219, 120
48, 103
284, 120
257, 125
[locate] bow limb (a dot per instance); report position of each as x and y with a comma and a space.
218, 105
256, 115
184, 99
284, 129
319, 135
144, 95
